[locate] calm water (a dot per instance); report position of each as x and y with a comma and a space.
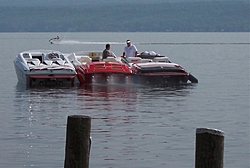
132, 126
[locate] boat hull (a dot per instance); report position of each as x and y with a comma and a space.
159, 69
160, 73
44, 79
55, 80
107, 78
103, 72
33, 68
161, 79
91, 68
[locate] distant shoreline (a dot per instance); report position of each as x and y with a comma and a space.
202, 16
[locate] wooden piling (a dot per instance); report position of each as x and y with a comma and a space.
77, 142
209, 148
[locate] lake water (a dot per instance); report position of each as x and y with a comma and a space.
132, 126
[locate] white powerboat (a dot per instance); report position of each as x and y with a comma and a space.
44, 68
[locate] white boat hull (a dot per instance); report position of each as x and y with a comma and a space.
35, 68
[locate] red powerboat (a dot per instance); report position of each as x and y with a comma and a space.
91, 68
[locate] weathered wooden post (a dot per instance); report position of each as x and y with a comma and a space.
77, 142
209, 148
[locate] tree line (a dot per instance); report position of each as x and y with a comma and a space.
213, 16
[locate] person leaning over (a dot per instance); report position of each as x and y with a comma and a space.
130, 50
106, 52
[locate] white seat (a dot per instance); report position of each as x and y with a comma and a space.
56, 59
146, 60
110, 59
134, 59
85, 59
33, 61
161, 59
27, 55
48, 62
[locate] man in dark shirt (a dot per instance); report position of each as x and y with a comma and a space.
106, 52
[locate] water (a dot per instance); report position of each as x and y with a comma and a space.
132, 126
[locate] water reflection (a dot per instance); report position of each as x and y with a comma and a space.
129, 122
121, 105
24, 87
122, 91
92, 99
108, 91
45, 106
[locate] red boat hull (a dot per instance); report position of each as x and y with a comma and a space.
102, 72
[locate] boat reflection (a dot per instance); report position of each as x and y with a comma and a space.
107, 97
126, 97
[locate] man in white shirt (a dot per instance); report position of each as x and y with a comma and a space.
129, 50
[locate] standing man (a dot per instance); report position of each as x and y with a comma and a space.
130, 50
